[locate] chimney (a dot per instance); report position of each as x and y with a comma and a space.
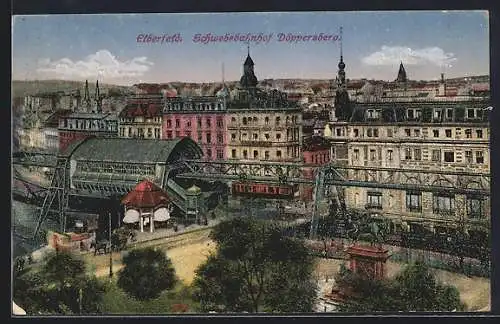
442, 87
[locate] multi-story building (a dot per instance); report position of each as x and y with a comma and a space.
316, 152
448, 134
200, 118
89, 121
262, 125
141, 117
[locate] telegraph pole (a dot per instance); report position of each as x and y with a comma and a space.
110, 248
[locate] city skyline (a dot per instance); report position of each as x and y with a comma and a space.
110, 48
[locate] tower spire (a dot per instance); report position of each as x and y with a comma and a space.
248, 48
223, 73
341, 52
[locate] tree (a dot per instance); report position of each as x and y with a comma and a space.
146, 274
54, 288
413, 289
255, 268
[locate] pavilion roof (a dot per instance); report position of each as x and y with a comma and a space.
146, 195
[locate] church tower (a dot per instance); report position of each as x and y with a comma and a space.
87, 102
402, 79
341, 103
248, 80
97, 98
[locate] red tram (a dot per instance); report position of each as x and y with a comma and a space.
263, 190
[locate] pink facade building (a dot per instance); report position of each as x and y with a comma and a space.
201, 119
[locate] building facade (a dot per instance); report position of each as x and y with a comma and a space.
78, 126
200, 118
141, 118
316, 152
262, 126
447, 134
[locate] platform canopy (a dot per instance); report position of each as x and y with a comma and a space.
146, 195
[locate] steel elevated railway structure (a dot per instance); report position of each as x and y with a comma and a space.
101, 167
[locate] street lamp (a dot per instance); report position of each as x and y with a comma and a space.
110, 248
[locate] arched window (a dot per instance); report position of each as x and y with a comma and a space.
244, 120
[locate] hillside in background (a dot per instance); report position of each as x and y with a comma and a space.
23, 88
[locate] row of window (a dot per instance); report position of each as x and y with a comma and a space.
99, 167
255, 155
141, 132
416, 155
416, 132
255, 120
199, 138
194, 106
437, 114
188, 123
219, 154
140, 119
89, 124
442, 204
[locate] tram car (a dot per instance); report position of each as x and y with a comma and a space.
263, 190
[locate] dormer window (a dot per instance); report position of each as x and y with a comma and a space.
437, 114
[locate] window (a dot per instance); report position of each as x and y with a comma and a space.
169, 134
355, 155
233, 120
413, 201
266, 135
443, 204
475, 208
278, 154
255, 154
278, 136
220, 138
244, 136
255, 136
369, 132
408, 154
209, 153
389, 132
220, 154
373, 155
374, 200
389, 155
198, 120
245, 154
449, 157
471, 113
177, 123
408, 132
479, 157
479, 133
416, 132
199, 137
233, 154
130, 132
417, 154
220, 122
266, 155
266, 120
468, 157
356, 132
447, 132
177, 134
244, 120
437, 114
169, 123
436, 155
468, 133
255, 120
449, 113
278, 119
188, 123
209, 138
435, 132
209, 122
375, 132
188, 133
338, 131
233, 137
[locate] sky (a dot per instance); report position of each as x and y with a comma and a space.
110, 47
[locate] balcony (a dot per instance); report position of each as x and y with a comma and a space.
414, 209
376, 206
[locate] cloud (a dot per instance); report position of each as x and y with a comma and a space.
101, 64
393, 55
